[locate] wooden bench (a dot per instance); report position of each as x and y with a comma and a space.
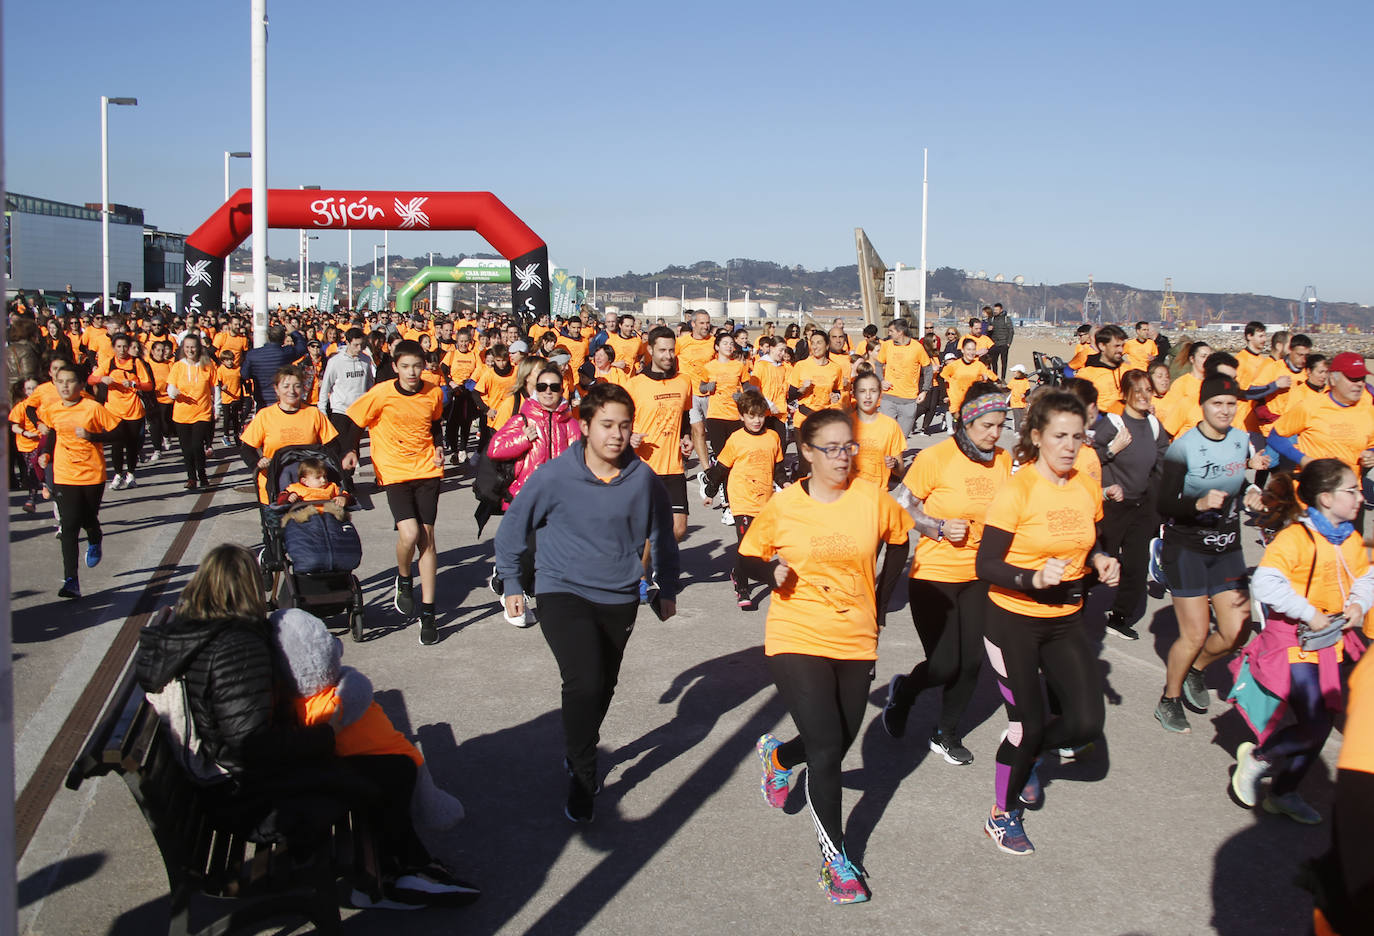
241, 884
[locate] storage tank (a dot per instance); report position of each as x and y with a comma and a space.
713, 307
743, 310
663, 307
768, 309
443, 296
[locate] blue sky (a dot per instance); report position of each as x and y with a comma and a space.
1227, 145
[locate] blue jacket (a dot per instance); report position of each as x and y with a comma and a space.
589, 534
260, 365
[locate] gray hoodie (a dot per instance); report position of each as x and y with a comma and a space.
589, 534
345, 379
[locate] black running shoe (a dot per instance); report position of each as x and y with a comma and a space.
581, 806
951, 749
429, 631
404, 599
894, 715
1117, 625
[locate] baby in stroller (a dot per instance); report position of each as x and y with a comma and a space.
312, 484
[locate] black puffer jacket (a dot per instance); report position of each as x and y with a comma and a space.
231, 684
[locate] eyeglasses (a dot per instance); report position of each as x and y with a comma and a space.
1353, 491
839, 448
547, 387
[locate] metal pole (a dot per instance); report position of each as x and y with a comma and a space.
224, 293
8, 897
386, 269
258, 24
104, 205
300, 267
431, 287
925, 202
351, 310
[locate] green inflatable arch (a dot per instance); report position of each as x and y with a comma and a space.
447, 274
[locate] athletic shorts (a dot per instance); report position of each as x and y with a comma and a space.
1196, 574
697, 414
677, 490
414, 500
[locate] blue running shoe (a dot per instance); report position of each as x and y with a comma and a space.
776, 781
1156, 572
1033, 793
1008, 833
93, 555
842, 882
71, 588
643, 591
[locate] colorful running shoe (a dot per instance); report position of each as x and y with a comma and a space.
1008, 833
776, 782
1170, 715
1195, 691
1250, 769
1156, 568
842, 882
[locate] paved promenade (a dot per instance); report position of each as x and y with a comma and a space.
1141, 837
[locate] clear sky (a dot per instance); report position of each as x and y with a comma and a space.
1225, 144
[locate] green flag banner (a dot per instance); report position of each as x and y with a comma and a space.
564, 297
329, 282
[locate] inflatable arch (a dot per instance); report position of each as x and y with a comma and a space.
446, 274
481, 212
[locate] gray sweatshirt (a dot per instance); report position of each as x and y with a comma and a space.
345, 379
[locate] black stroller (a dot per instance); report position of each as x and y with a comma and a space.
326, 586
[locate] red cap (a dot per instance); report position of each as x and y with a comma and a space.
1350, 364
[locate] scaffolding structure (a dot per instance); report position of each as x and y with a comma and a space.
1170, 312
1092, 306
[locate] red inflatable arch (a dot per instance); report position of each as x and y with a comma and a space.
482, 212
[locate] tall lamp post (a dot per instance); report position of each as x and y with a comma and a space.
431, 288
305, 264
105, 193
303, 251
224, 297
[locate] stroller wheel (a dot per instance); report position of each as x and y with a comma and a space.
264, 574
355, 611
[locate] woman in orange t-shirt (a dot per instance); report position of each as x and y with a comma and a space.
948, 490
1039, 543
725, 377
26, 438
815, 542
191, 386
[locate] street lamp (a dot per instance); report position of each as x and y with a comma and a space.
305, 281
224, 296
105, 193
431, 287
303, 251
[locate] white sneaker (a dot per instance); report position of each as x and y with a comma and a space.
129, 480
117, 482
727, 518
152, 459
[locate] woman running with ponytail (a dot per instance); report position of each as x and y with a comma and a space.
1314, 576
815, 542
1039, 544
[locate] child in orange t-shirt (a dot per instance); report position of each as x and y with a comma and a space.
230, 383
749, 464
314, 485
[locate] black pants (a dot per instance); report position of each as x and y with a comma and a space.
997, 355
125, 441
1019, 648
1127, 528
949, 620
78, 508
231, 413
717, 431
159, 424
739, 576
462, 410
588, 640
826, 699
192, 438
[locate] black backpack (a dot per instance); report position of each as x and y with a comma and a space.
491, 484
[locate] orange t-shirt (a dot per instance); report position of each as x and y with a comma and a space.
829, 608
729, 377
1326, 429
771, 379
628, 352
577, 350
1019, 387
692, 355
659, 405
160, 371
76, 460
195, 385
461, 364
1357, 738
307, 493
399, 423
953, 486
1090, 464
1046, 520
959, 376
1138, 354
878, 439
230, 383
122, 397
496, 391
235, 344
1108, 383
1081, 352
272, 428
372, 733
750, 459
902, 367
825, 378
1180, 411
19, 415
1291, 553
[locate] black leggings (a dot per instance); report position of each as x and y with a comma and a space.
717, 431
1127, 529
1299, 745
741, 577
588, 641
462, 410
78, 508
232, 413
192, 438
159, 423
826, 699
1019, 648
125, 441
949, 620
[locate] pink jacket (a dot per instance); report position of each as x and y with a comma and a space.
556, 431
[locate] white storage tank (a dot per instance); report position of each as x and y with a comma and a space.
713, 307
444, 294
663, 307
743, 310
768, 308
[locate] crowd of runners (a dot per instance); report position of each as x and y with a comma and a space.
1137, 466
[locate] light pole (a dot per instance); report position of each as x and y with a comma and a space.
304, 251
305, 281
386, 268
224, 296
105, 193
351, 310
431, 287
258, 24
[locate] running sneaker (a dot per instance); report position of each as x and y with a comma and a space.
894, 715
950, 747
152, 457
494, 583
1250, 769
1293, 806
776, 781
581, 805
129, 480
117, 482
701, 486
842, 882
1156, 569
520, 620
71, 588
1033, 793
1117, 625
1170, 715
741, 593
432, 885
404, 597
1074, 753
429, 631
93, 554
1008, 833
361, 900
727, 517
643, 591
29, 506
1195, 691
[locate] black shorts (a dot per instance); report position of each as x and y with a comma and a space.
414, 500
1197, 574
677, 490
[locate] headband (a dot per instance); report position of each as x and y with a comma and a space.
987, 403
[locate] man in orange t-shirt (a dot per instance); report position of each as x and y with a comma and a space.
694, 350
661, 395
405, 419
903, 361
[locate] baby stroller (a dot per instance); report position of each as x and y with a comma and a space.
321, 582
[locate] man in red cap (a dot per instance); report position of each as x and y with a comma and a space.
1336, 424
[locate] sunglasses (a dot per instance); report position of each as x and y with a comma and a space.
547, 387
